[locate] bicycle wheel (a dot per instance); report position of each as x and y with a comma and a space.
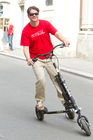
84, 124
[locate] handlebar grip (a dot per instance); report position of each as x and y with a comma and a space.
62, 45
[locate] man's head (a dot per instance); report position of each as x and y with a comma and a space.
32, 8
33, 13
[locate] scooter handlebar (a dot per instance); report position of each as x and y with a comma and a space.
47, 54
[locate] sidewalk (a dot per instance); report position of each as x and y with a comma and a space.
75, 66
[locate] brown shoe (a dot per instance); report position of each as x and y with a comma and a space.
40, 105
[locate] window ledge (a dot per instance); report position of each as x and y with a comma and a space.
86, 32
48, 8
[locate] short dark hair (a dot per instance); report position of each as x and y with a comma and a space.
32, 7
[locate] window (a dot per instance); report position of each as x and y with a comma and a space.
3, 23
49, 2
48, 5
1, 9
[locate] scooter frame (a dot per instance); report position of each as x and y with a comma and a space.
69, 100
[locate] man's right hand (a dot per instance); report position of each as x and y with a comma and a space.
30, 62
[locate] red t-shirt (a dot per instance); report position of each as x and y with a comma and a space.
38, 38
10, 30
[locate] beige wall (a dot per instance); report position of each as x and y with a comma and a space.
65, 16
85, 37
85, 46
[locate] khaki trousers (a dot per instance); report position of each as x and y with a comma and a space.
38, 69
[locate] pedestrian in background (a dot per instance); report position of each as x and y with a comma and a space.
1, 38
10, 35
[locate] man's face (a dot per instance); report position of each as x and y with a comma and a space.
33, 15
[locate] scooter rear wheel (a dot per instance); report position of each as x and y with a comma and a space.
71, 114
39, 114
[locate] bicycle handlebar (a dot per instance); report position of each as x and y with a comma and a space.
46, 54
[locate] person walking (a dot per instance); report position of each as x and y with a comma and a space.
36, 40
10, 35
1, 39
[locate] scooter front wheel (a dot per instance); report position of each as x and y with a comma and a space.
84, 124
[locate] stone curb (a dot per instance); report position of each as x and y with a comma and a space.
77, 72
13, 56
65, 69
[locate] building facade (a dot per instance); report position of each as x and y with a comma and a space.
74, 19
